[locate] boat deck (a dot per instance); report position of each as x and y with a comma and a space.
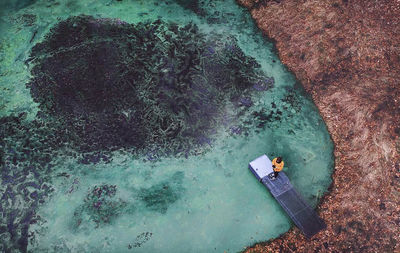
302, 214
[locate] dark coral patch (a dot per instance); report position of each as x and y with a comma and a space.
117, 85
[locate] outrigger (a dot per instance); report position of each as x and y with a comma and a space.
302, 214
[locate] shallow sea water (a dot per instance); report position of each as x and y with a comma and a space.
194, 203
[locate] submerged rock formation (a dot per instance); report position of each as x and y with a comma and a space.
346, 54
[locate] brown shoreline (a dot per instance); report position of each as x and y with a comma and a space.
346, 54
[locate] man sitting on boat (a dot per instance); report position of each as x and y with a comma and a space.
277, 165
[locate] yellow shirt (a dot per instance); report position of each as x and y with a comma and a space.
278, 166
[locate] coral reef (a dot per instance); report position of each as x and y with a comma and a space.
346, 55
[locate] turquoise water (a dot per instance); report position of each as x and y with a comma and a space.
185, 193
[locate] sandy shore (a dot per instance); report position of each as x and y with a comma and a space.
347, 56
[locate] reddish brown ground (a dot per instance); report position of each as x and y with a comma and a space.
347, 56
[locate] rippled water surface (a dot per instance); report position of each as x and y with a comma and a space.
128, 126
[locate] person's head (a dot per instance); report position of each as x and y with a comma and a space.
279, 159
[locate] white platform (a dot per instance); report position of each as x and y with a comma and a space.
261, 167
